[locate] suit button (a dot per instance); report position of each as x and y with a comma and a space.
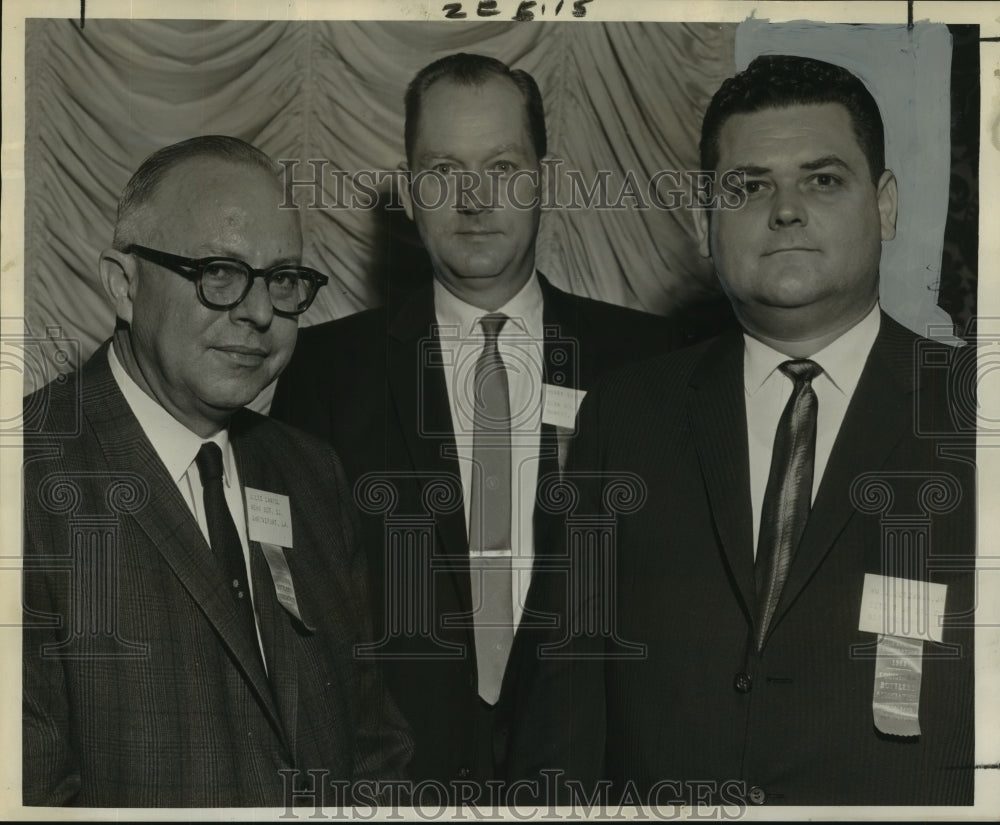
463, 773
742, 683
756, 795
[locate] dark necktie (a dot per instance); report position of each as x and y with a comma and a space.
788, 496
222, 533
490, 516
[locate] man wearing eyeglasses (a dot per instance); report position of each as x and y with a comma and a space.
194, 588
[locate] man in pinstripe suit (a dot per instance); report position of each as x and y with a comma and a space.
194, 589
796, 595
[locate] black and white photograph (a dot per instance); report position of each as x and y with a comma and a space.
607, 437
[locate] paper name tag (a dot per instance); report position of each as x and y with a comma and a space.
906, 608
269, 517
561, 405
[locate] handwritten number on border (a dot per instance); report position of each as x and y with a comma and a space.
489, 8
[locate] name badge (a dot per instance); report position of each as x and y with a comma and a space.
269, 517
904, 613
561, 405
896, 697
905, 608
281, 575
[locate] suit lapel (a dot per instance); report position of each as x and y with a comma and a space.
277, 634
167, 521
877, 417
718, 423
560, 367
420, 396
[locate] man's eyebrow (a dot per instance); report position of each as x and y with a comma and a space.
810, 166
213, 251
826, 160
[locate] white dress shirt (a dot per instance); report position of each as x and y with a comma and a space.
521, 347
768, 390
177, 447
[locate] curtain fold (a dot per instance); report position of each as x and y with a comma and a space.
621, 99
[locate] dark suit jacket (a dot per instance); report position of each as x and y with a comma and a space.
139, 689
372, 384
793, 724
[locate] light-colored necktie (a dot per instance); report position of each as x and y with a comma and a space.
490, 517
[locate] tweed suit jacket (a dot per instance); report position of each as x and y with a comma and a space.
139, 688
683, 708
372, 384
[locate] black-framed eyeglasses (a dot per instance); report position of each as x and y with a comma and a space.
222, 283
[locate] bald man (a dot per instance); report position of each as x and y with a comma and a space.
194, 589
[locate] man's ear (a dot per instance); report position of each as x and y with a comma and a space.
404, 189
702, 226
119, 277
888, 203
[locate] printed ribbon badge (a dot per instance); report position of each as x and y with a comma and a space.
904, 613
269, 522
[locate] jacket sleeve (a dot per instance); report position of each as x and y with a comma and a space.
383, 741
51, 773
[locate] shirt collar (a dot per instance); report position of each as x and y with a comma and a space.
174, 443
524, 310
842, 360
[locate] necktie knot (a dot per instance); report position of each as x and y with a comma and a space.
492, 324
209, 461
801, 370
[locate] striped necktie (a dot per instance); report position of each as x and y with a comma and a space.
788, 496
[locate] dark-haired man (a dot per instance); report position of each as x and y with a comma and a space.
798, 585
457, 399
193, 585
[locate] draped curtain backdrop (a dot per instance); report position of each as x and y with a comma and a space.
618, 97
623, 101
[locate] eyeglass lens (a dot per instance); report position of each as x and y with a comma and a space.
224, 283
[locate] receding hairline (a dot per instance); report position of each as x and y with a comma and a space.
140, 194
136, 208
474, 70
462, 83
